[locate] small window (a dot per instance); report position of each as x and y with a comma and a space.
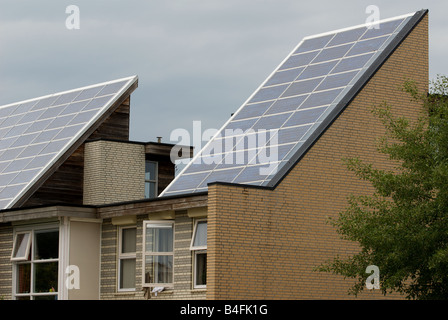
151, 179
35, 257
199, 248
127, 258
21, 249
158, 254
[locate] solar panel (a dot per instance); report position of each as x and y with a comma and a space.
302, 96
36, 132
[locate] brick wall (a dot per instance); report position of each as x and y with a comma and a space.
264, 244
113, 172
183, 227
6, 243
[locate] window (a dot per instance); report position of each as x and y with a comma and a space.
21, 249
127, 258
158, 253
35, 257
199, 248
150, 179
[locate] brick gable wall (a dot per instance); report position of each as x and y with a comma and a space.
264, 244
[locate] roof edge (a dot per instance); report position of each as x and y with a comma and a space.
349, 97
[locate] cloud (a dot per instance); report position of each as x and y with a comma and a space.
196, 60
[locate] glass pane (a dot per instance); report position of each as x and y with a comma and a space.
201, 269
150, 170
23, 278
159, 238
23, 298
320, 98
314, 43
332, 53
284, 76
200, 237
299, 60
301, 87
150, 190
270, 93
128, 240
127, 274
347, 36
305, 116
46, 245
367, 46
21, 245
49, 297
159, 269
317, 70
46, 277
288, 104
252, 110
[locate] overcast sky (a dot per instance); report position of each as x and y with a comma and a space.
196, 60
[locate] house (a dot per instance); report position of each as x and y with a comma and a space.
88, 214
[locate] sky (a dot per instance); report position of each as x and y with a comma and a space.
196, 60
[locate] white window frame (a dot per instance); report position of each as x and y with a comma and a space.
155, 181
197, 250
124, 256
162, 223
27, 246
32, 230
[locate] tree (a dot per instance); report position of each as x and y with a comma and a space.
402, 227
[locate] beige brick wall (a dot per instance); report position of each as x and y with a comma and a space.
113, 172
6, 243
183, 227
264, 244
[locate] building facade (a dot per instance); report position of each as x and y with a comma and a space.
96, 227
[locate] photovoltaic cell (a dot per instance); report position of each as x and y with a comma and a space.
286, 104
35, 133
294, 102
284, 76
314, 43
299, 60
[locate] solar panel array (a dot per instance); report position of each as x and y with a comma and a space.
34, 133
292, 103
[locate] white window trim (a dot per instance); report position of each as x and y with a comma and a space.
155, 181
124, 256
27, 249
157, 223
197, 250
32, 230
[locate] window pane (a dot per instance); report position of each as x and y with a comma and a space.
150, 170
49, 297
150, 190
21, 245
159, 269
200, 238
128, 240
159, 238
46, 277
201, 269
46, 245
127, 274
23, 278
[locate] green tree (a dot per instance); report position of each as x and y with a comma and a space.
402, 227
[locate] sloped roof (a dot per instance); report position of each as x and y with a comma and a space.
297, 102
37, 134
